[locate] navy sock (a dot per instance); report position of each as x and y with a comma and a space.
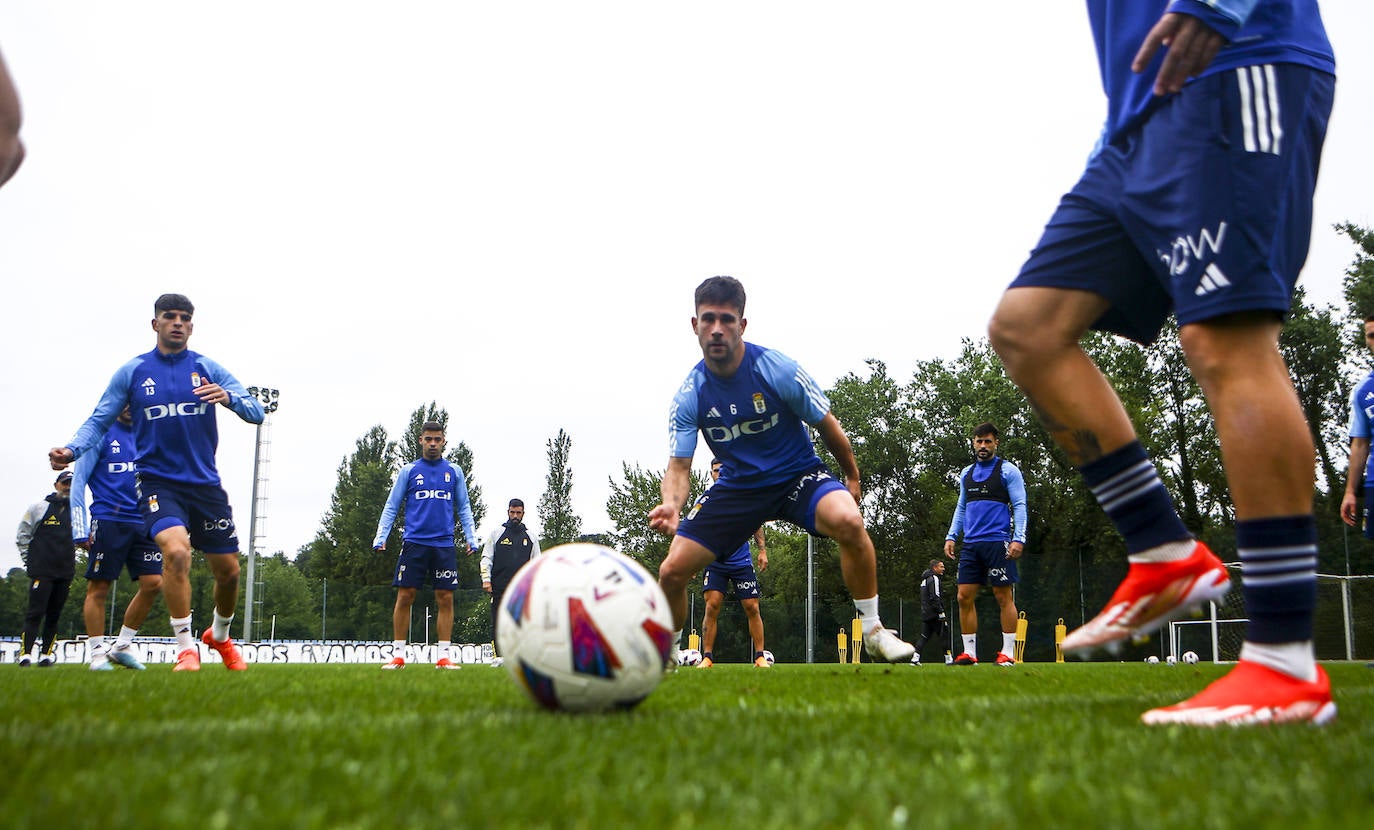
1127, 485
1278, 577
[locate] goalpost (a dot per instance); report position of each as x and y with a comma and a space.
1343, 627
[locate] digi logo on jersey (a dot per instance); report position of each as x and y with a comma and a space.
117, 467
723, 434
180, 410
434, 494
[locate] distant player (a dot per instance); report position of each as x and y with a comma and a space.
172, 393
112, 531
1359, 479
991, 517
432, 489
737, 572
506, 551
753, 406
1198, 202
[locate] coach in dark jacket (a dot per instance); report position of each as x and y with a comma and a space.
934, 621
506, 550
45, 545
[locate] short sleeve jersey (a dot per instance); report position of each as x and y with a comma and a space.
754, 421
1361, 414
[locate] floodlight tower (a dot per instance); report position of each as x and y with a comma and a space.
261, 460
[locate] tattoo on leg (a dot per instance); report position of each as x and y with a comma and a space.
1081, 445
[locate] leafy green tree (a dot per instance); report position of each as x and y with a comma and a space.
628, 508
342, 550
1359, 277
560, 524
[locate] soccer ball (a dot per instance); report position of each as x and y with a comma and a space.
1152, 660
1171, 659
689, 657
584, 628
768, 655
1190, 657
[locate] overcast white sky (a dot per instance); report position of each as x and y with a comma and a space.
505, 207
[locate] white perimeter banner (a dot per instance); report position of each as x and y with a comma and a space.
165, 651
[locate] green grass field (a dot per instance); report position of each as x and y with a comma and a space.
1040, 745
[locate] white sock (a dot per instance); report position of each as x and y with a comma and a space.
219, 629
443, 650
1167, 552
868, 613
971, 644
677, 639
125, 638
398, 649
1009, 644
1292, 659
181, 627
96, 647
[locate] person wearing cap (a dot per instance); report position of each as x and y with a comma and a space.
112, 532
45, 545
507, 548
173, 395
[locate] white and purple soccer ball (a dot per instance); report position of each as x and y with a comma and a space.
584, 628
768, 655
689, 657
1171, 659
1190, 657
1152, 660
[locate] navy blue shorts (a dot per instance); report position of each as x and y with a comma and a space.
203, 509
986, 563
116, 545
418, 561
726, 517
720, 577
1204, 210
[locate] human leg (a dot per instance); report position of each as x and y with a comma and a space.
52, 615
755, 619
444, 632
712, 600
686, 558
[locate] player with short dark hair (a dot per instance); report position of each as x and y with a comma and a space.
991, 516
753, 405
112, 531
434, 491
172, 393
1198, 202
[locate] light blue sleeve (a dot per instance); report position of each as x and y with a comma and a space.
465, 510
797, 389
393, 506
244, 405
106, 411
1016, 488
1359, 416
682, 425
956, 525
1226, 17
81, 473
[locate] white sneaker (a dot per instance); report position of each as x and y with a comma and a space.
47, 661
497, 662
24, 661
883, 645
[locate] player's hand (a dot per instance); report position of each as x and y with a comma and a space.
486, 586
1349, 509
210, 392
471, 551
949, 548
1191, 44
84, 544
382, 546
664, 519
1014, 550
763, 560
855, 489
60, 457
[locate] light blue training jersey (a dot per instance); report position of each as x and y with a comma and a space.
111, 475
754, 421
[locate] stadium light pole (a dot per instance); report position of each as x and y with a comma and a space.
270, 399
